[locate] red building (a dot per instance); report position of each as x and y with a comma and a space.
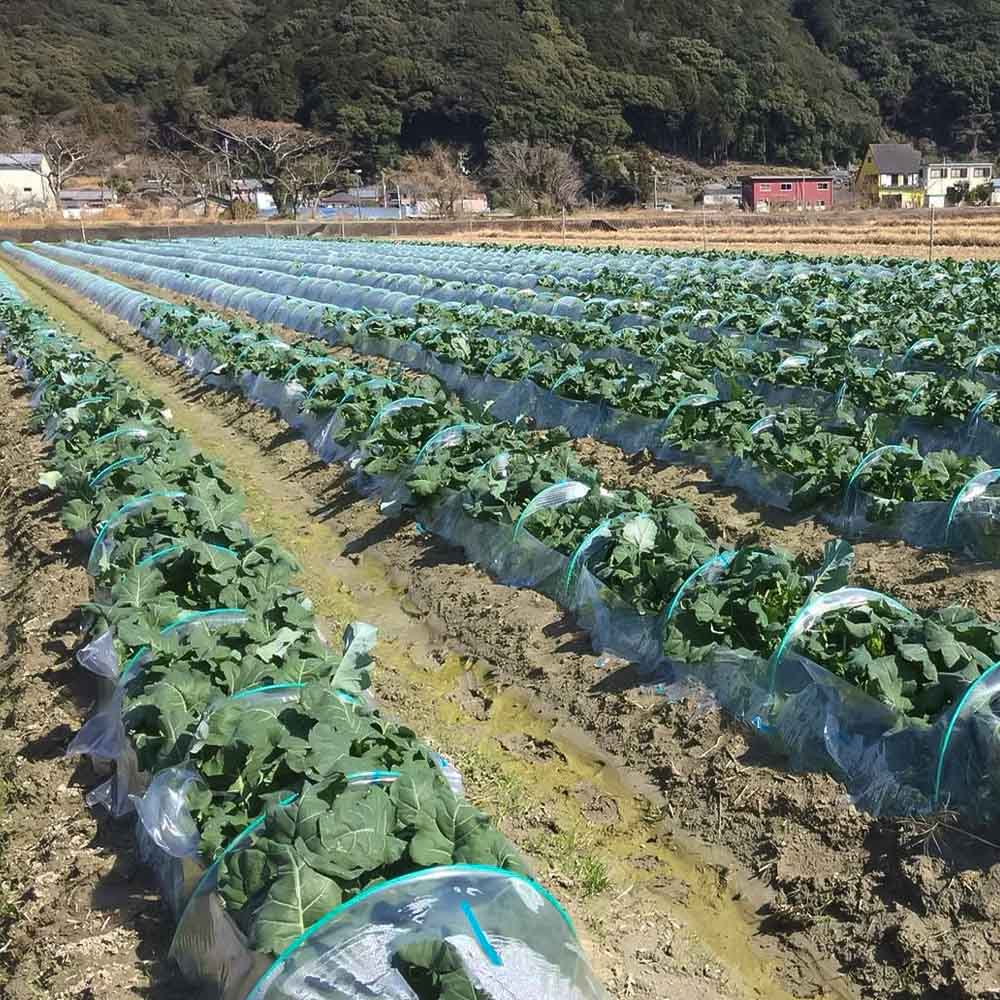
787, 193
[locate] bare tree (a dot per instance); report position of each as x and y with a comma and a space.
285, 157
435, 175
535, 179
199, 176
309, 177
68, 151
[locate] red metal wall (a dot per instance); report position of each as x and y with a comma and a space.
804, 191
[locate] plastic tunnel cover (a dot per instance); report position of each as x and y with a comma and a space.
869, 459
973, 726
603, 531
209, 881
973, 490
696, 399
977, 411
185, 623
445, 438
512, 939
711, 568
104, 541
113, 467
397, 404
818, 607
982, 355
139, 432
568, 491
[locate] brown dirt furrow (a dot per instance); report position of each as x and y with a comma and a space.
78, 916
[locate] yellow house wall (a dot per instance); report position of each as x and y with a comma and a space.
867, 183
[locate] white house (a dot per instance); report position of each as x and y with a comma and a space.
23, 184
939, 177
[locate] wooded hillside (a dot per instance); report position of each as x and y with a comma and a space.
761, 80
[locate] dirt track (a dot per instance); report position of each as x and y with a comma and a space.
728, 876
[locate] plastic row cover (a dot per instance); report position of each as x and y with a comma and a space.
317, 264
572, 263
393, 294
360, 299
508, 937
508, 297
973, 525
887, 762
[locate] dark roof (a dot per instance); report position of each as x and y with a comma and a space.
20, 159
895, 158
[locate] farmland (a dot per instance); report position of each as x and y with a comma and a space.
761, 490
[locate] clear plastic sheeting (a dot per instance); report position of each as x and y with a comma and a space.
103, 737
885, 759
162, 810
968, 756
104, 542
501, 933
969, 522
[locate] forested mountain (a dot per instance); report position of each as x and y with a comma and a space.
766, 80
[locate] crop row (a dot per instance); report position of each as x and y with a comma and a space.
913, 329
294, 825
947, 309
937, 384
869, 473
774, 638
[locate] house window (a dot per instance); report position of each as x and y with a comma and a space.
959, 172
981, 172
27, 190
765, 187
938, 174
786, 187
823, 186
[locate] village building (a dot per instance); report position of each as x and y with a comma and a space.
787, 192
890, 177
24, 187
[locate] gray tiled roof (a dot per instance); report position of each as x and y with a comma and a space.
20, 159
895, 158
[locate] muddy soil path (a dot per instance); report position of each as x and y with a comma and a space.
79, 916
919, 578
713, 851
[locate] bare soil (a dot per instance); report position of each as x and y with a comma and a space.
713, 848
78, 915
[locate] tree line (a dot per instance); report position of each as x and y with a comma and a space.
211, 162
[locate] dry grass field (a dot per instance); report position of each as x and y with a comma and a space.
962, 235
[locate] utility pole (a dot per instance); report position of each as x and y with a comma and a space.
930, 242
656, 189
704, 222
358, 190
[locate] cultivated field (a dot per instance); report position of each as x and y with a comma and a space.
963, 235
499, 622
